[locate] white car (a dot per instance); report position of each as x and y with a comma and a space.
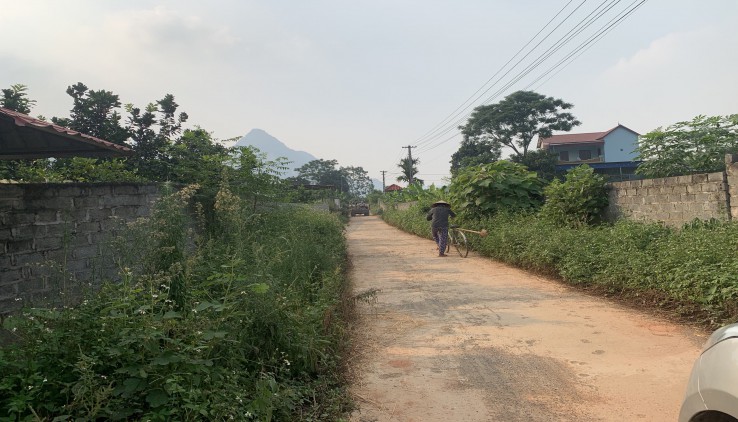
712, 392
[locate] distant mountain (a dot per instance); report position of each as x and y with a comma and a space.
274, 148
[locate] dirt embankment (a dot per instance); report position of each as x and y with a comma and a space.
452, 339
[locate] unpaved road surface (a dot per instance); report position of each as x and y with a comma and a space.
454, 339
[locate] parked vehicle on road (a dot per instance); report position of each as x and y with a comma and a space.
360, 208
712, 391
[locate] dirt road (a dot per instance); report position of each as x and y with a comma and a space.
453, 339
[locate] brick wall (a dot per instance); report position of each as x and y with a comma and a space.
678, 200
54, 237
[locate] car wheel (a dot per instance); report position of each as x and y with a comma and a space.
713, 417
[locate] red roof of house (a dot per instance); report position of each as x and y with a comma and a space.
22, 136
392, 187
578, 138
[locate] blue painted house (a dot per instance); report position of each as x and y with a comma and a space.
611, 152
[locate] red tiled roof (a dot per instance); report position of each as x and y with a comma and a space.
392, 187
578, 138
573, 138
22, 136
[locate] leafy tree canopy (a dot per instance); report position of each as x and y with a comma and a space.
350, 181
320, 172
409, 168
475, 152
516, 120
95, 113
153, 133
696, 146
255, 177
541, 161
16, 99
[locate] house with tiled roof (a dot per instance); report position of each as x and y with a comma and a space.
393, 188
612, 152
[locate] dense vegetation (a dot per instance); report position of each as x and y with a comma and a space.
690, 271
230, 303
695, 146
243, 322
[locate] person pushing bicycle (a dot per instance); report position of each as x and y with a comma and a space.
438, 216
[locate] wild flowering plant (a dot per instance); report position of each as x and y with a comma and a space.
231, 326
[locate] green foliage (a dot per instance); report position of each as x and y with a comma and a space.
350, 182
95, 113
411, 220
475, 152
690, 271
195, 157
696, 146
487, 189
158, 154
516, 120
240, 320
254, 177
416, 192
74, 170
578, 200
541, 161
409, 168
16, 99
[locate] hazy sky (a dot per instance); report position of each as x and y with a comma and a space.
356, 80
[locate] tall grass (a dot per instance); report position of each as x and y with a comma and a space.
237, 320
691, 271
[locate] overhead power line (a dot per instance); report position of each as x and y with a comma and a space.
576, 52
563, 40
452, 115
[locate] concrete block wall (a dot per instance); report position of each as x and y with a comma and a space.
676, 200
54, 237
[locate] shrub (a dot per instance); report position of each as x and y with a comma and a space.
689, 270
500, 186
243, 323
578, 200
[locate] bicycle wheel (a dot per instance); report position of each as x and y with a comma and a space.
449, 240
462, 247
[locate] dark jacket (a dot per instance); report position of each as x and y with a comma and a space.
438, 216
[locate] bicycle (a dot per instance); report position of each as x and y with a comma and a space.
457, 238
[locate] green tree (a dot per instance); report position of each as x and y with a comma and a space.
16, 99
486, 189
409, 168
578, 200
323, 172
541, 161
360, 184
196, 158
153, 131
95, 113
255, 178
696, 146
516, 120
474, 152
350, 182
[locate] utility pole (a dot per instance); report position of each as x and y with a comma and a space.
410, 162
383, 186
